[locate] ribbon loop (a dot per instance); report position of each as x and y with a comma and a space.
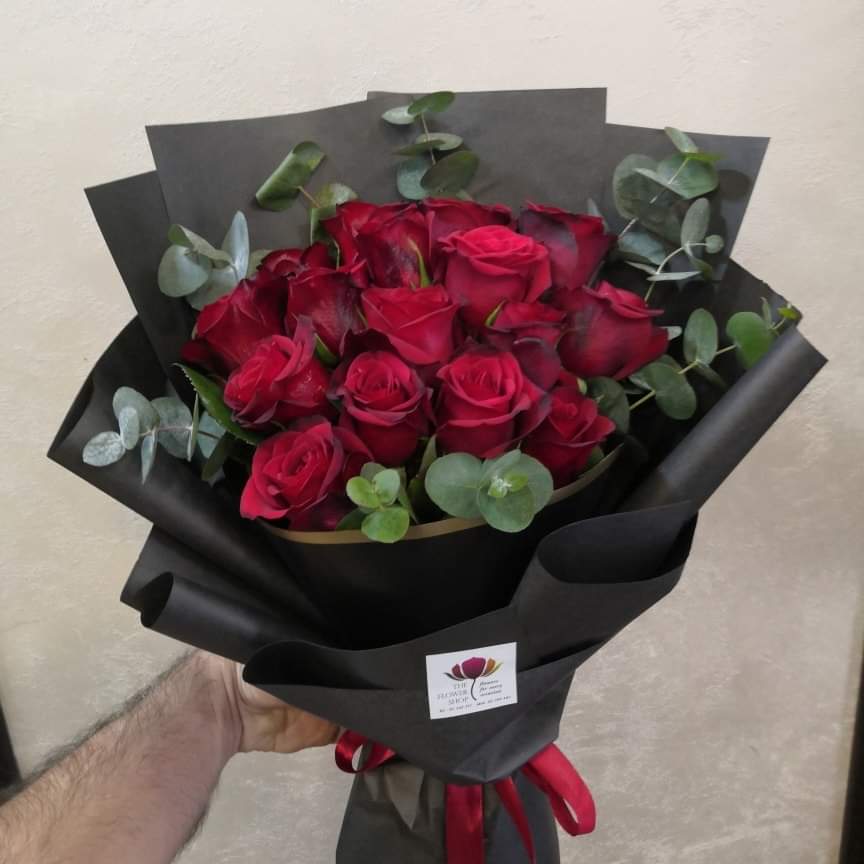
350, 743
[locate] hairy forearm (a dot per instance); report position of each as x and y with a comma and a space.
135, 790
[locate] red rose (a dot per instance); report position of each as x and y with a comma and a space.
446, 215
418, 324
331, 298
279, 381
610, 333
486, 266
350, 218
300, 475
525, 321
228, 329
564, 440
486, 403
385, 403
290, 262
390, 242
576, 243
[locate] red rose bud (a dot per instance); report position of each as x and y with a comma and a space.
418, 324
446, 215
300, 475
279, 381
525, 321
330, 298
227, 330
564, 440
390, 244
385, 403
576, 243
350, 218
610, 333
487, 266
290, 262
486, 403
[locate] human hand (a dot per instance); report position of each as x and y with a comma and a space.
264, 722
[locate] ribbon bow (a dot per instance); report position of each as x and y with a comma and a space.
550, 771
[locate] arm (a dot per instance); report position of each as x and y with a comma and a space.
135, 790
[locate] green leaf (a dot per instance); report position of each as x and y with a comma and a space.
182, 271
362, 493
222, 281
181, 236
711, 376
706, 271
419, 148
334, 194
126, 397
452, 482
409, 175
702, 156
398, 116
592, 209
324, 354
451, 173
173, 413
497, 467
536, 475
511, 513
148, 455
434, 103
638, 197
443, 140
645, 268
670, 276
682, 141
255, 259
430, 454
218, 457
673, 331
386, 526
686, 176
675, 397
713, 243
130, 427
625, 169
422, 272
641, 246
210, 433
695, 224
790, 313
767, 314
236, 244
370, 469
193, 434
751, 336
700, 337
352, 521
611, 401
106, 448
387, 484
211, 398
282, 187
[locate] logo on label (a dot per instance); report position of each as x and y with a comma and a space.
476, 667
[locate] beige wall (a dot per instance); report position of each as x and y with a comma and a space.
716, 728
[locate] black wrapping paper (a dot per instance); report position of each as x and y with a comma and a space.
344, 632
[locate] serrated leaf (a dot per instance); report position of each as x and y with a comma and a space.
386, 526
127, 397
175, 424
433, 103
511, 513
236, 244
398, 116
452, 482
211, 398
282, 187
409, 175
695, 224
148, 455
751, 336
713, 243
103, 449
700, 337
451, 173
682, 141
181, 271
611, 402
130, 427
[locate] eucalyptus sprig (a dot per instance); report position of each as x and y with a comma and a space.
383, 510
507, 492
426, 172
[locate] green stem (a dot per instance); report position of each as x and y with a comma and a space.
309, 196
426, 133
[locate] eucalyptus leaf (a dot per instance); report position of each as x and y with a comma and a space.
611, 402
790, 313
639, 197
222, 281
433, 103
767, 314
148, 455
641, 246
282, 187
386, 526
211, 398
673, 276
450, 174
236, 244
255, 259
751, 336
419, 148
711, 376
700, 337
713, 243
686, 176
682, 141
126, 397
103, 449
452, 483
398, 116
352, 521
175, 425
370, 469
193, 434
181, 236
387, 484
443, 140
362, 493
675, 397
409, 176
695, 224
181, 271
210, 433
334, 194
511, 513
673, 331
130, 427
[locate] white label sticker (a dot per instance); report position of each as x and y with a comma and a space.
463, 682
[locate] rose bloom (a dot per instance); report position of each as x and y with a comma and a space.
576, 243
290, 262
564, 440
351, 217
299, 475
487, 266
228, 329
610, 333
486, 403
385, 403
331, 299
281, 380
525, 321
446, 215
418, 324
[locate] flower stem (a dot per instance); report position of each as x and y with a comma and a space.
426, 133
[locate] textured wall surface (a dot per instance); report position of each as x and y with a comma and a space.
716, 728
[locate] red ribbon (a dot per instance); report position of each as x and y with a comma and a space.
550, 771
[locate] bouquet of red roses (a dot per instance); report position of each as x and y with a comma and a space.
533, 402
